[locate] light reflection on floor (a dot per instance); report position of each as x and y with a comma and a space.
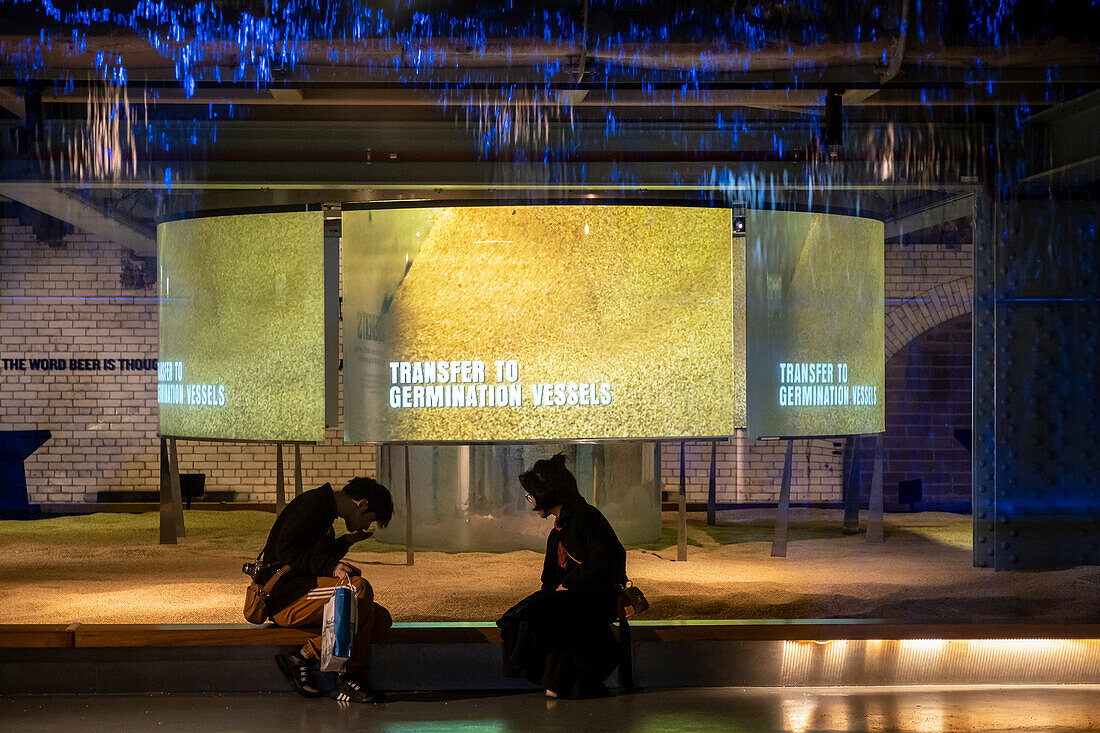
946, 661
937, 709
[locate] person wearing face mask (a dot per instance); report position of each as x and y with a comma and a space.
560, 637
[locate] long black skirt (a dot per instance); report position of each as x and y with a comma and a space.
561, 641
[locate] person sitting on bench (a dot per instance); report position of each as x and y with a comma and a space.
303, 538
560, 637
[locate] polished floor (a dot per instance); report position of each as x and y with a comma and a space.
696, 710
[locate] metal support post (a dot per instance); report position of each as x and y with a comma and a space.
712, 485
874, 510
851, 489
408, 512
177, 497
783, 510
280, 484
297, 470
167, 521
681, 524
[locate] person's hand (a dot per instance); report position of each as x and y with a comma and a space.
358, 536
345, 571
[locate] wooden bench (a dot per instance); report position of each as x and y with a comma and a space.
37, 636
136, 635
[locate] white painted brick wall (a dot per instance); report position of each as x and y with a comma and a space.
66, 302
816, 473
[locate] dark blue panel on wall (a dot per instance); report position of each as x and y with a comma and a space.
15, 446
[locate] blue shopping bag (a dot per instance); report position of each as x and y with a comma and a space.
338, 630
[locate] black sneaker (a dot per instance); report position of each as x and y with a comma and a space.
299, 673
349, 688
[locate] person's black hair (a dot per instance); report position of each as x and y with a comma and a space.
550, 483
378, 497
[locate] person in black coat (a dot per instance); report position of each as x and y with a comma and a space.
303, 540
560, 637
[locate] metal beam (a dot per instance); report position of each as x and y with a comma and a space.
780, 99
12, 102
243, 184
940, 213
1062, 143
69, 208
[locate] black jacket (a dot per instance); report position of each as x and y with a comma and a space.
302, 537
596, 560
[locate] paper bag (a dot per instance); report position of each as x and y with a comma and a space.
338, 629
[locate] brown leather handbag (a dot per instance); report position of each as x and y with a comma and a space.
631, 600
255, 598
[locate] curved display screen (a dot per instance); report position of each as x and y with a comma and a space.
242, 327
542, 322
816, 357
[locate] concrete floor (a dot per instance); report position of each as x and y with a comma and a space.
695, 710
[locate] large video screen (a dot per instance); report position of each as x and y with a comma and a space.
242, 327
542, 322
816, 334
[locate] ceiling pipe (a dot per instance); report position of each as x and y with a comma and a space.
584, 45
893, 65
887, 72
84, 215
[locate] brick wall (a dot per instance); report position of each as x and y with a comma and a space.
925, 284
65, 300
751, 471
914, 269
927, 398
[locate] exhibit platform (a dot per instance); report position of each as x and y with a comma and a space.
109, 568
237, 658
84, 598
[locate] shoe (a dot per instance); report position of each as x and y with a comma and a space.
349, 688
299, 673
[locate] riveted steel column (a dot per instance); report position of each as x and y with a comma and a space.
1047, 334
1048, 381
983, 377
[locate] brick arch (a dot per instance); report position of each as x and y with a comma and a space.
928, 398
913, 316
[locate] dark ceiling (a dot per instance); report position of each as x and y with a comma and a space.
130, 115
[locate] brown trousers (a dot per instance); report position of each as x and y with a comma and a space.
308, 612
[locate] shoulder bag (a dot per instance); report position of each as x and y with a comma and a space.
631, 601
255, 598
